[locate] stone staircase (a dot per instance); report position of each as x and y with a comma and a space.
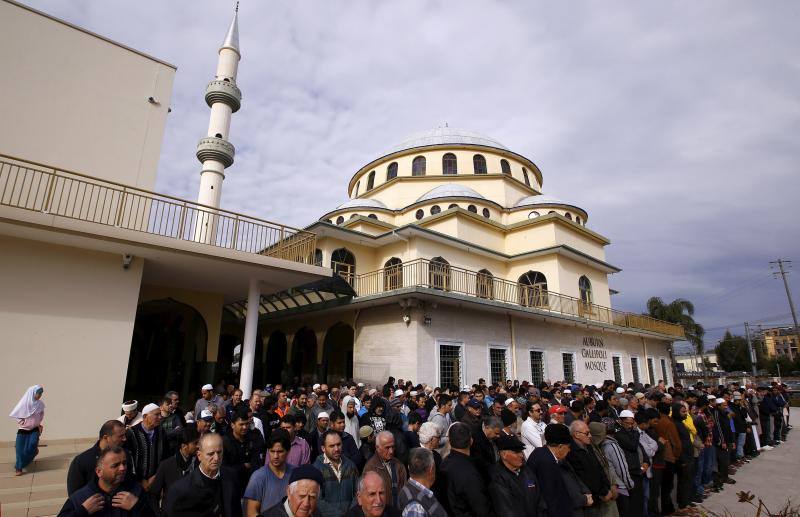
43, 489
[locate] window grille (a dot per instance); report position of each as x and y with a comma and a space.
568, 365
537, 367
617, 369
635, 369
651, 370
449, 365
498, 370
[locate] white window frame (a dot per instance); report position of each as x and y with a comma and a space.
621, 367
499, 346
574, 355
653, 382
638, 367
460, 345
544, 362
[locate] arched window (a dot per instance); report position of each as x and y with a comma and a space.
419, 214
484, 284
439, 273
525, 177
393, 274
533, 289
578, 219
353, 216
435, 209
317, 257
479, 164
568, 216
358, 185
339, 220
585, 287
551, 212
473, 209
452, 205
533, 215
372, 216
449, 164
485, 213
391, 171
343, 263
418, 166
505, 168
371, 181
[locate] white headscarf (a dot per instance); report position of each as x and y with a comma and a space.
28, 405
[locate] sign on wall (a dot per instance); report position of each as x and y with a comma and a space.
594, 355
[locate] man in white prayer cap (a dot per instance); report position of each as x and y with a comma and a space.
207, 397
130, 414
147, 444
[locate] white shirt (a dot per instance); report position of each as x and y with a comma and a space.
532, 435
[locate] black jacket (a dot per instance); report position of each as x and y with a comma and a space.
514, 495
466, 489
146, 454
629, 442
81, 470
588, 468
483, 453
236, 454
194, 495
279, 511
388, 511
169, 472
73, 507
560, 499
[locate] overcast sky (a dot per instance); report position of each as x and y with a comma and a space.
675, 124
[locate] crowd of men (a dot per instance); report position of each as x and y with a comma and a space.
512, 449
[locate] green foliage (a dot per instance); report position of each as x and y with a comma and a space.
733, 354
681, 312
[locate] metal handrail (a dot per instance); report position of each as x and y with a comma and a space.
445, 277
33, 186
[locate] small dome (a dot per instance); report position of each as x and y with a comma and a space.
361, 203
449, 190
445, 135
543, 200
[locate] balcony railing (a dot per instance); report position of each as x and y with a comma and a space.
36, 187
444, 277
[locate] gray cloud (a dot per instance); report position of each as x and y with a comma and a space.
674, 124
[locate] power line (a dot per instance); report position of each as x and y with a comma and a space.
767, 319
783, 265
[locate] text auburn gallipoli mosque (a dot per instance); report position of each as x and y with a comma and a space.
445, 264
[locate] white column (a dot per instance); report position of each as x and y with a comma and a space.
248, 357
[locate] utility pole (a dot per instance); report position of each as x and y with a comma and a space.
750, 347
782, 271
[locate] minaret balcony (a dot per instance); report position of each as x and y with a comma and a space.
217, 149
224, 91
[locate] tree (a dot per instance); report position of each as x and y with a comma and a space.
733, 354
681, 312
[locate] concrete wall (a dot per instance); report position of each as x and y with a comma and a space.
80, 102
66, 321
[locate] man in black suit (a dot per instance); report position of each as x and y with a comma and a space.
174, 468
210, 490
467, 493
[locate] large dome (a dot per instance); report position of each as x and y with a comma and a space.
543, 200
361, 203
445, 135
449, 190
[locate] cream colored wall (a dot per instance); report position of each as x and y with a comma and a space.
66, 321
521, 240
209, 305
434, 167
79, 102
524, 213
569, 273
580, 242
548, 265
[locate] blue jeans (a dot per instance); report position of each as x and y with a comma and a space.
740, 438
700, 471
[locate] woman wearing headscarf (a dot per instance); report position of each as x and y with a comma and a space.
29, 413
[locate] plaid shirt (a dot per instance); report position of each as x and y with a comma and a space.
709, 441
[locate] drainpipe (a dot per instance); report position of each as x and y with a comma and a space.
645, 366
513, 347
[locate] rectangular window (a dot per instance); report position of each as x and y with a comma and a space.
450, 365
635, 369
568, 364
537, 367
664, 375
651, 370
617, 362
498, 365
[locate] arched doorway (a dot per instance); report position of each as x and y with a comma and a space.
168, 352
343, 263
275, 362
337, 353
304, 355
533, 289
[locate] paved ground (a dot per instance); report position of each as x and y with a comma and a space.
774, 477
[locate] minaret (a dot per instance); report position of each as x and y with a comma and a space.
214, 151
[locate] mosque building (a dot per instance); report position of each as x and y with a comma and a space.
447, 262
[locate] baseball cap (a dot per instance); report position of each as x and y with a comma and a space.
506, 442
206, 415
474, 403
557, 409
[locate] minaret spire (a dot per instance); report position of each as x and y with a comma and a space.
215, 151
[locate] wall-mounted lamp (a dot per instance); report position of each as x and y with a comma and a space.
406, 319
427, 320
